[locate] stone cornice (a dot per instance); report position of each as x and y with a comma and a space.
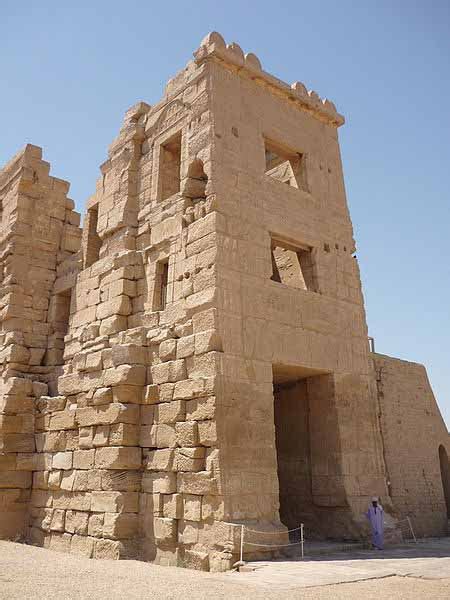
213, 47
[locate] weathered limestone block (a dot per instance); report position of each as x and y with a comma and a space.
85, 437
101, 436
172, 506
187, 433
128, 354
107, 414
189, 388
207, 341
77, 522
62, 460
192, 507
128, 394
159, 482
115, 502
125, 374
120, 526
124, 481
190, 459
102, 396
118, 457
168, 349
207, 433
95, 524
57, 521
185, 347
107, 549
83, 459
194, 559
188, 532
171, 371
119, 306
200, 483
213, 507
201, 409
165, 530
124, 434
161, 460
82, 545
60, 542
113, 325
170, 412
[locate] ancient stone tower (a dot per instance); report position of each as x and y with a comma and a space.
196, 357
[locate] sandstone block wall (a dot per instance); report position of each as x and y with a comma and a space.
413, 431
151, 362
39, 239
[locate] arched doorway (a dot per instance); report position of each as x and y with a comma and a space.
445, 474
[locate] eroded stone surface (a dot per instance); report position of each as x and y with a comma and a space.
196, 355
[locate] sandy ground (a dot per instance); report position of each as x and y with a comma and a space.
34, 573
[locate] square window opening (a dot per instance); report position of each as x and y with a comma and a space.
169, 167
286, 166
293, 266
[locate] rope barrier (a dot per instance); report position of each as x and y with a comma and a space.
272, 532
270, 546
273, 545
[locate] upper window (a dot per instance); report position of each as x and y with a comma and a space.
169, 167
286, 166
293, 266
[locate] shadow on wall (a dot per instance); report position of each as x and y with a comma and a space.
445, 475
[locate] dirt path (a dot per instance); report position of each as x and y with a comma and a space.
35, 573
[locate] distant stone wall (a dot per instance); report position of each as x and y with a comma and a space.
412, 429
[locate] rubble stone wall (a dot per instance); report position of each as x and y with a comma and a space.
39, 238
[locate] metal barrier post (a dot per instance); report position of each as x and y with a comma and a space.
242, 544
302, 539
411, 529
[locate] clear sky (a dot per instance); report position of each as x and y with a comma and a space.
69, 70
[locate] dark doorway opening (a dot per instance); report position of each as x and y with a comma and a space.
309, 454
445, 475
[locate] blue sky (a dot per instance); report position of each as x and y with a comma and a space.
69, 70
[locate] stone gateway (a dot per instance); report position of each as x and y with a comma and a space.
196, 356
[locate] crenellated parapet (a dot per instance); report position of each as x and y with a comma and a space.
213, 47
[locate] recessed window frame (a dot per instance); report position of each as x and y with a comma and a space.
167, 146
304, 255
161, 285
279, 158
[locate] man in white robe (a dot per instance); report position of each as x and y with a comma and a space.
375, 514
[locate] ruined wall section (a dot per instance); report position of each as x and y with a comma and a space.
39, 232
412, 430
85, 490
128, 450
